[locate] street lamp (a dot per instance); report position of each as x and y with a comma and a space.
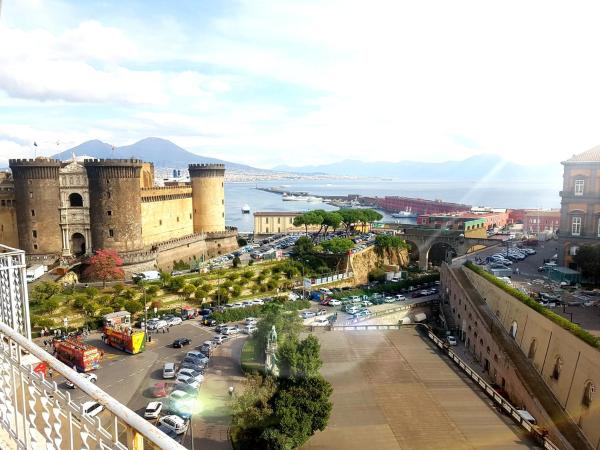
66, 324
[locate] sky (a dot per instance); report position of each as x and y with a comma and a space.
303, 82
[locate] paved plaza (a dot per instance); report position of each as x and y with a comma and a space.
394, 390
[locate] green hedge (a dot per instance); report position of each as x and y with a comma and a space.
390, 288
237, 314
559, 320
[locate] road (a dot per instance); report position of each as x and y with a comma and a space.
130, 378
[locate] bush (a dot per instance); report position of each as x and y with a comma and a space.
559, 320
40, 321
377, 274
133, 306
152, 289
105, 310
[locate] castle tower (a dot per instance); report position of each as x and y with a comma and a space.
208, 197
115, 203
38, 202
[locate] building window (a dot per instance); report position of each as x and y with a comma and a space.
108, 195
576, 226
588, 394
30, 194
532, 349
160, 222
291, 221
177, 218
109, 212
267, 230
573, 250
75, 200
35, 246
3, 203
557, 368
33, 213
279, 220
111, 233
579, 187
34, 233
598, 231
190, 216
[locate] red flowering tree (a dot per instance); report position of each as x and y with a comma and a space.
105, 265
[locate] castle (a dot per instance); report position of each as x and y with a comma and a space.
54, 209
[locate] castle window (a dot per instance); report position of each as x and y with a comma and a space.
576, 226
75, 200
33, 213
35, 246
111, 233
598, 231
109, 212
557, 368
108, 194
177, 218
588, 394
34, 233
190, 216
160, 222
579, 187
532, 349
30, 194
3, 203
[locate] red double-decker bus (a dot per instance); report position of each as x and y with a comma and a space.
76, 354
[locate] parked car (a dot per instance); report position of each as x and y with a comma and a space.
172, 434
175, 423
153, 410
400, 297
189, 379
451, 340
91, 408
91, 377
160, 389
195, 366
249, 329
174, 321
307, 314
169, 370
190, 372
180, 342
219, 339
251, 320
230, 330
197, 361
209, 321
334, 302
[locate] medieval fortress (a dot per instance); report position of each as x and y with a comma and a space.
54, 209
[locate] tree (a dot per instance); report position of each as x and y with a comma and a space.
337, 245
104, 265
300, 358
91, 292
134, 306
588, 260
301, 407
48, 305
236, 261
304, 246
352, 216
331, 220
201, 292
165, 278
241, 242
176, 283
186, 291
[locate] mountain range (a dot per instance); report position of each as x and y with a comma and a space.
161, 152
484, 167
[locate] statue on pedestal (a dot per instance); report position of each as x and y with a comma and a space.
271, 353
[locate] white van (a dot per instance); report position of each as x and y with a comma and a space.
169, 370
150, 275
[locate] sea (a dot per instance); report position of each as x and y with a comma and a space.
498, 195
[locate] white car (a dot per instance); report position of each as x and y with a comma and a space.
451, 340
198, 355
400, 297
335, 302
249, 329
308, 314
174, 321
91, 377
258, 301
175, 423
219, 339
91, 408
230, 330
251, 320
153, 410
389, 299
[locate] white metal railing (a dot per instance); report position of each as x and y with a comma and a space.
492, 393
34, 412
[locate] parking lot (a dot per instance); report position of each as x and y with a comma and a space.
393, 390
131, 380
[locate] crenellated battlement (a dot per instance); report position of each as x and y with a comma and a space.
204, 166
113, 162
37, 162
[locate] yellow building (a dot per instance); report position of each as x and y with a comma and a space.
275, 222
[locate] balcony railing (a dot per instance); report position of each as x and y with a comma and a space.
34, 412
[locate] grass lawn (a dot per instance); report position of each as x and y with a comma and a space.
249, 360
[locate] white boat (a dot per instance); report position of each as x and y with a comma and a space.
246, 209
313, 199
404, 214
293, 198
